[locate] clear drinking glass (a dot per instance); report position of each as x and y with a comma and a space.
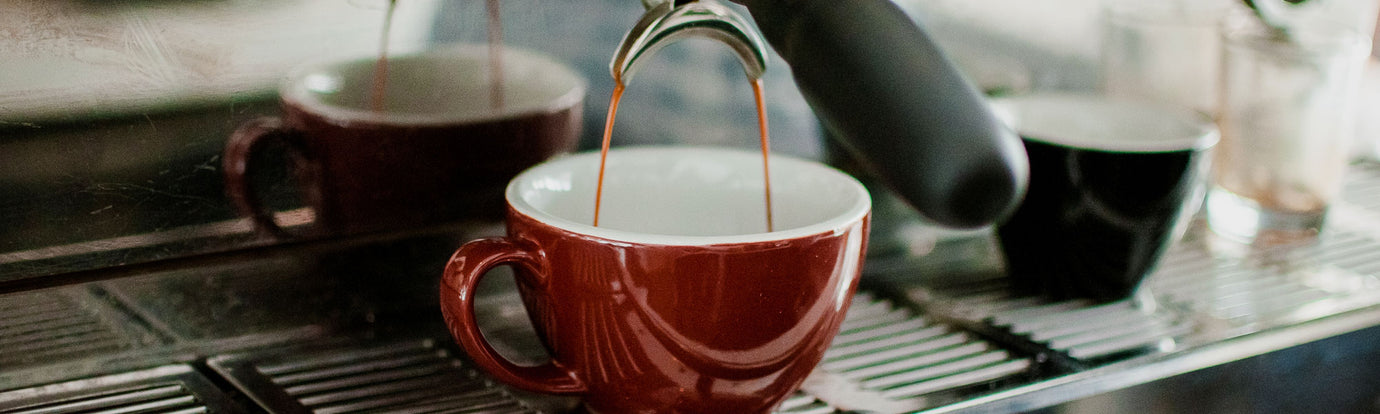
1287, 109
1164, 51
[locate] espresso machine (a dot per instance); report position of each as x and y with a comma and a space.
880, 85
130, 282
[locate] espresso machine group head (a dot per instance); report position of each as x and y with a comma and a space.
878, 83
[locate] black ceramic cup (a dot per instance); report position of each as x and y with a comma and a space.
1112, 184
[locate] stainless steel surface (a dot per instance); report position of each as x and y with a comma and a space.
1283, 286
802, 403
403, 377
95, 194
905, 356
1077, 329
1147, 369
44, 327
667, 22
1362, 188
250, 298
936, 333
1218, 304
168, 389
126, 276
882, 348
121, 168
883, 351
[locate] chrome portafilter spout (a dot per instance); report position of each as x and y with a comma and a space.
669, 20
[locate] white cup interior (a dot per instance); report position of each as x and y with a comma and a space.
689, 195
450, 85
1106, 124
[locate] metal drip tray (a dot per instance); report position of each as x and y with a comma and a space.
936, 334
404, 377
1079, 330
170, 389
242, 300
902, 355
1362, 187
882, 350
1272, 287
45, 327
802, 403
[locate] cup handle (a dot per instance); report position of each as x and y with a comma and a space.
462, 275
248, 139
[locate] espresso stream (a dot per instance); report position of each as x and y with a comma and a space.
495, 55
380, 86
381, 67
762, 129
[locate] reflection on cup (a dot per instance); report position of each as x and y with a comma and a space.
1112, 185
1287, 113
437, 152
678, 302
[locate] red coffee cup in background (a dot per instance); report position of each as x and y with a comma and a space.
439, 150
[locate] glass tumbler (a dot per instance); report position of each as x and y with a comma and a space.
1288, 102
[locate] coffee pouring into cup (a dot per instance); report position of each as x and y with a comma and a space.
666, 22
683, 299
680, 301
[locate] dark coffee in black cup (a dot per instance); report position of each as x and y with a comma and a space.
1112, 185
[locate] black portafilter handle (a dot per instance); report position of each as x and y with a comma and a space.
878, 82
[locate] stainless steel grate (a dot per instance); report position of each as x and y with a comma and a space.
885, 350
1234, 290
802, 403
244, 299
170, 389
1090, 332
1343, 249
1270, 287
43, 327
1080, 329
407, 377
900, 355
1362, 187
512, 335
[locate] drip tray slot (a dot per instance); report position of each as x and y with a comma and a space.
401, 377
167, 389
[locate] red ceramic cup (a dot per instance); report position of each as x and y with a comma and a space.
438, 151
680, 301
